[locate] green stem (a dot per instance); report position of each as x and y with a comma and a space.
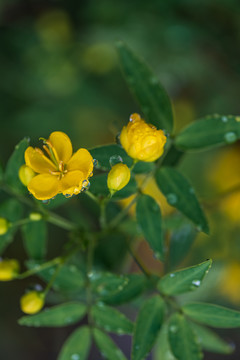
103, 220
92, 196
90, 254
53, 278
122, 213
59, 221
37, 269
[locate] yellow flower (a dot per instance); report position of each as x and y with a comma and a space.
229, 284
58, 170
4, 226
25, 174
8, 269
118, 177
32, 302
142, 141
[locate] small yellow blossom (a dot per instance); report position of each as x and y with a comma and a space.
4, 226
8, 269
32, 302
58, 170
118, 177
142, 141
25, 174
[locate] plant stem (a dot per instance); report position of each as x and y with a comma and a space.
38, 268
90, 254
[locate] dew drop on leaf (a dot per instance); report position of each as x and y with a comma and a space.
230, 137
172, 198
115, 159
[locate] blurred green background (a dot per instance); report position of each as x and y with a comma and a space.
59, 71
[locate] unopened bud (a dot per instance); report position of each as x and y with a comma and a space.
32, 302
118, 177
35, 216
8, 269
4, 226
25, 174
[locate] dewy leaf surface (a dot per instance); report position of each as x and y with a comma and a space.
184, 280
150, 94
180, 194
77, 346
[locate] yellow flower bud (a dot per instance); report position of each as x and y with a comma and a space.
4, 226
142, 141
25, 174
118, 177
32, 302
8, 269
35, 216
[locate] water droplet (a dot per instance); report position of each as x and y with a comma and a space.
38, 287
95, 162
72, 268
172, 198
68, 196
69, 320
224, 119
172, 275
173, 328
136, 347
157, 255
90, 274
196, 283
75, 357
120, 288
230, 137
46, 201
115, 159
154, 80
100, 304
191, 191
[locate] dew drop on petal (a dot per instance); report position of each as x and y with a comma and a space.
172, 198
95, 162
230, 137
115, 159
46, 201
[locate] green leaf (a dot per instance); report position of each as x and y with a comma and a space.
162, 349
105, 284
213, 130
14, 163
149, 219
180, 194
148, 324
185, 280
77, 345
210, 341
99, 187
11, 210
35, 238
107, 347
183, 342
212, 315
111, 319
69, 278
56, 316
150, 94
133, 288
104, 153
180, 242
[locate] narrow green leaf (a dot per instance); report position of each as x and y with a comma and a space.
111, 319
150, 221
99, 187
180, 242
105, 284
185, 280
104, 153
14, 164
183, 342
134, 287
12, 211
213, 130
69, 278
180, 194
148, 324
77, 345
107, 347
56, 316
210, 341
35, 238
150, 94
212, 315
162, 349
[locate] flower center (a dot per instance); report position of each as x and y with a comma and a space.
61, 168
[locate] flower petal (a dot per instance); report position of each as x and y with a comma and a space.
81, 160
37, 161
62, 144
44, 186
71, 183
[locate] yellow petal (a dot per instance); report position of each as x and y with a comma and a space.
44, 186
62, 144
82, 160
37, 161
71, 183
